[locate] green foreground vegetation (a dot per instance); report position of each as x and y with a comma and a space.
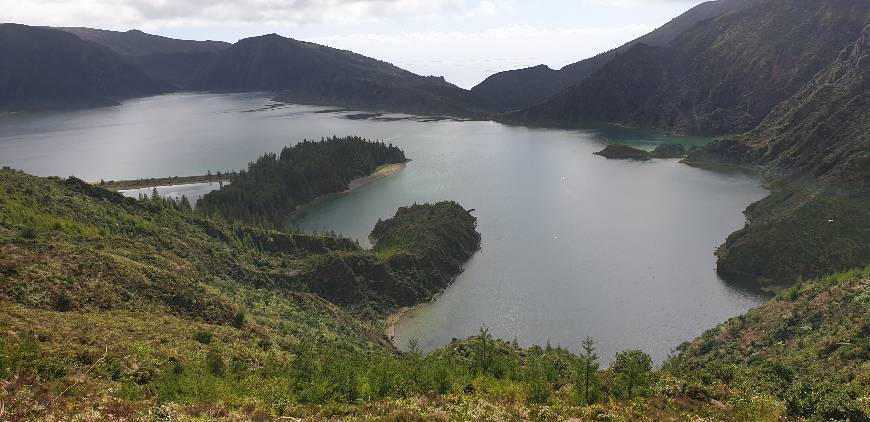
116, 308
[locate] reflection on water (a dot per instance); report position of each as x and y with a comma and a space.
573, 244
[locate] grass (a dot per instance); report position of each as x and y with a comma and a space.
168, 314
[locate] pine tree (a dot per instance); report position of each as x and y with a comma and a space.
588, 368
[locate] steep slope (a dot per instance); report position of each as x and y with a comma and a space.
43, 68
722, 76
824, 130
808, 348
518, 89
818, 142
313, 73
661, 36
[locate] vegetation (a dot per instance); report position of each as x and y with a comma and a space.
814, 147
48, 68
799, 232
141, 310
668, 151
623, 152
806, 353
276, 184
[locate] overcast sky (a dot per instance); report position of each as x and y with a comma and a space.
463, 40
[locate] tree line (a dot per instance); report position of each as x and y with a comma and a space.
275, 185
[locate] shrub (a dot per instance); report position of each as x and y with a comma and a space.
203, 337
631, 369
239, 319
752, 406
29, 232
62, 302
215, 362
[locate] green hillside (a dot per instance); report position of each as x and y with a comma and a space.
116, 308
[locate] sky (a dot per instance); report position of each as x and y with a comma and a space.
463, 40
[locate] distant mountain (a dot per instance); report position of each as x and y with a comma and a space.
522, 88
312, 73
138, 43
46, 67
723, 76
43, 68
177, 62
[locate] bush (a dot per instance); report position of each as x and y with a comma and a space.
203, 337
215, 362
29, 232
631, 370
752, 406
62, 302
239, 319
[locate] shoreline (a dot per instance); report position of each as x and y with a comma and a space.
394, 318
119, 185
381, 172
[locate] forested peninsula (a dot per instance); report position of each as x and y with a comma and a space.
275, 185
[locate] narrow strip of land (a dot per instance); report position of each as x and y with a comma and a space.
116, 185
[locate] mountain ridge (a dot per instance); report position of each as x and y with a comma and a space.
47, 68
722, 77
517, 89
296, 70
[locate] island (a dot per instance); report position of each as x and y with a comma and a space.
625, 152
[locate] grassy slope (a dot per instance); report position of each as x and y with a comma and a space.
809, 348
136, 306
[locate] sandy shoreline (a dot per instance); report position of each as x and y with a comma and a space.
379, 173
394, 318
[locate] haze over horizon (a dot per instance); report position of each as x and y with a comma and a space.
463, 40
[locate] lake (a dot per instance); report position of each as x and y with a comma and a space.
573, 244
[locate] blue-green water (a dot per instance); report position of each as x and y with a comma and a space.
573, 244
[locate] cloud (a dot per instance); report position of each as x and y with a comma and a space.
466, 57
635, 3
169, 13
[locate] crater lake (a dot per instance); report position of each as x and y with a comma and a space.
574, 244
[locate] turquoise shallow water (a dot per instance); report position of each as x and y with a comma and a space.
573, 244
